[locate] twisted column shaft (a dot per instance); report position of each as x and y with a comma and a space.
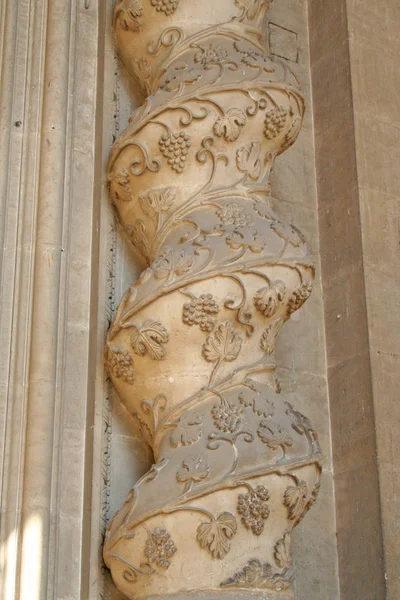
191, 348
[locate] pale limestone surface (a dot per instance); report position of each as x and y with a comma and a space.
49, 273
65, 561
190, 179
354, 56
374, 58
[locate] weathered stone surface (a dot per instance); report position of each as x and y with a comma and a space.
69, 449
191, 348
375, 53
283, 42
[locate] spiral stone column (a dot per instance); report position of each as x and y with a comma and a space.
191, 348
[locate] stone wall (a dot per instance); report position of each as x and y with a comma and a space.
349, 374
354, 49
67, 456
374, 55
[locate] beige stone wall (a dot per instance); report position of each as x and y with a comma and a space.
374, 56
67, 458
349, 375
354, 51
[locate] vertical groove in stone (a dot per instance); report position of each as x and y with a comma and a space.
79, 280
41, 433
20, 110
104, 462
90, 573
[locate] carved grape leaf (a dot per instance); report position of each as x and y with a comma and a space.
314, 494
261, 405
311, 501
170, 264
150, 337
178, 76
282, 552
142, 68
157, 201
253, 57
248, 161
268, 299
274, 435
137, 233
264, 209
229, 126
216, 535
267, 341
130, 11
288, 232
291, 135
295, 499
192, 470
224, 344
135, 7
124, 191
303, 426
188, 430
254, 575
242, 237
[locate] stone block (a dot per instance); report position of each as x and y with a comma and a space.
283, 42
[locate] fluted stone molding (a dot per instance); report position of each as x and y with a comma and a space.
49, 93
191, 349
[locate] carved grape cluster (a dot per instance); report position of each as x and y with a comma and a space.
124, 190
268, 299
254, 509
175, 147
211, 54
198, 311
160, 548
299, 296
166, 6
227, 418
235, 214
119, 363
275, 120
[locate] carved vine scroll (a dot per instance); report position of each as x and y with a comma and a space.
191, 347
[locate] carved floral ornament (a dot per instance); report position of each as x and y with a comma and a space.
191, 350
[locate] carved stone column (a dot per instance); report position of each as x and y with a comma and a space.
191, 348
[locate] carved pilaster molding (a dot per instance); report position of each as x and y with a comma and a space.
48, 67
191, 348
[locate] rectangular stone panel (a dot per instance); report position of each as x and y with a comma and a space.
283, 42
